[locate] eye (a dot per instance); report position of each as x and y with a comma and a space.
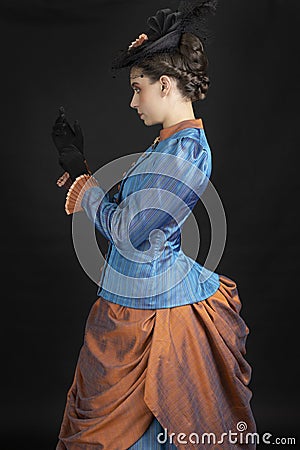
136, 90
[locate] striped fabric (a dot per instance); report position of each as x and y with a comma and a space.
172, 362
156, 197
184, 366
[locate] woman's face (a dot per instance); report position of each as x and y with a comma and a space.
147, 98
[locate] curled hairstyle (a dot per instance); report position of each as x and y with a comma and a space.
188, 65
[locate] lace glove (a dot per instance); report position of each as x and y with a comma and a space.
69, 144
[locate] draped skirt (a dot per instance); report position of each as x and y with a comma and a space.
180, 371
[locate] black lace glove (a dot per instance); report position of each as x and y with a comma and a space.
69, 144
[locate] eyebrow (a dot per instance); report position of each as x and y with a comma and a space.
135, 83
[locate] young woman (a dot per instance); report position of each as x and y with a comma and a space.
162, 364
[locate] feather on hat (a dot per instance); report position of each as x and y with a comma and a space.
165, 30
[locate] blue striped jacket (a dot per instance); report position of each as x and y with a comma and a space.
145, 266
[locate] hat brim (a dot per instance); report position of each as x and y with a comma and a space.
165, 43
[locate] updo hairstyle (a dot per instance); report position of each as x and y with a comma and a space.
188, 65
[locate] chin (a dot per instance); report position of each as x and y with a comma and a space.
150, 122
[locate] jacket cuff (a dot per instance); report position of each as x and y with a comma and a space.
77, 191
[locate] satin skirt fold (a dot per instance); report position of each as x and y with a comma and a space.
185, 367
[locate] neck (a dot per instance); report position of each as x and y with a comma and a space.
184, 112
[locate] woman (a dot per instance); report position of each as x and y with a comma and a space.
162, 364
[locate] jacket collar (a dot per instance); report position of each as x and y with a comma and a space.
189, 123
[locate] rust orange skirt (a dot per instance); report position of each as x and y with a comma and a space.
185, 365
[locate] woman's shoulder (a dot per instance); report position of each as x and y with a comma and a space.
191, 133
193, 138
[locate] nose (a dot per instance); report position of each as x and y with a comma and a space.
134, 103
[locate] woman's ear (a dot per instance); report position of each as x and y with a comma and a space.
165, 83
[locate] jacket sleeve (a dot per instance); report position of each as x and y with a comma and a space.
166, 195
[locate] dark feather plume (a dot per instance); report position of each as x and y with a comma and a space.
165, 29
194, 16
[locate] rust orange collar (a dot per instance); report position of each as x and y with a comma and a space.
189, 123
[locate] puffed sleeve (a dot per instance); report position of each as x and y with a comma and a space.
166, 195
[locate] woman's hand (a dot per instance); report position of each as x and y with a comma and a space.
69, 144
63, 135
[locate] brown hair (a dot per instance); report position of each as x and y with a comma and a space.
188, 65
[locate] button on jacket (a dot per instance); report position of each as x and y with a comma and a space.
145, 266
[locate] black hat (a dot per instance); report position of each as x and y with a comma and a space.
165, 30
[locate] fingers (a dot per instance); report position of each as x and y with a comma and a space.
61, 116
77, 128
59, 129
68, 129
61, 126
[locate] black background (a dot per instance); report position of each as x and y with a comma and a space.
58, 53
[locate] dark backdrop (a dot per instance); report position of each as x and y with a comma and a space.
58, 53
